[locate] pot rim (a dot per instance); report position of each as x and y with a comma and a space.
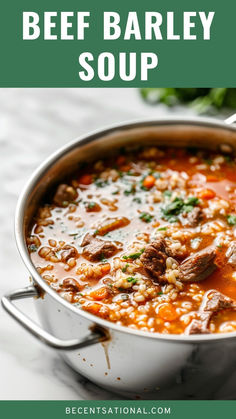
42, 169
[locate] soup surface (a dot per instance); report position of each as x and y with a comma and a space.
146, 239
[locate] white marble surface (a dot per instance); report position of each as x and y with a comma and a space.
33, 123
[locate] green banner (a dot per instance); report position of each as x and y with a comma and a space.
117, 409
88, 43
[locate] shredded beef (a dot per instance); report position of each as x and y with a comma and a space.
97, 249
198, 266
64, 195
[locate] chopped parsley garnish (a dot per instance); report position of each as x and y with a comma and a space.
101, 183
178, 206
134, 255
138, 200
146, 217
102, 258
231, 218
132, 280
162, 229
124, 269
90, 205
131, 190
116, 192
167, 193
192, 200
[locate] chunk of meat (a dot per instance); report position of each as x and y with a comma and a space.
154, 257
70, 284
68, 252
64, 195
192, 218
97, 249
198, 266
213, 302
231, 254
197, 327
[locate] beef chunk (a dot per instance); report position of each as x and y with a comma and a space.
68, 252
97, 249
154, 257
198, 266
70, 284
197, 327
231, 254
193, 217
213, 302
64, 195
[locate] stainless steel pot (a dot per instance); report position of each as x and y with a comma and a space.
133, 363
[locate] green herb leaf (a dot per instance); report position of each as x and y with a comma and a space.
131, 190
132, 280
138, 200
231, 218
124, 269
146, 217
101, 183
134, 255
167, 193
90, 204
176, 207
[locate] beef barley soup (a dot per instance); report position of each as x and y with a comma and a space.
145, 239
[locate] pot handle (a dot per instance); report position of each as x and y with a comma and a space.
231, 120
96, 335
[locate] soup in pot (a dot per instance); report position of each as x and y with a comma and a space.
145, 239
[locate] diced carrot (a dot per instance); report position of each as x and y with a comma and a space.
206, 194
100, 293
86, 179
111, 224
167, 312
105, 267
120, 160
212, 178
93, 308
149, 181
